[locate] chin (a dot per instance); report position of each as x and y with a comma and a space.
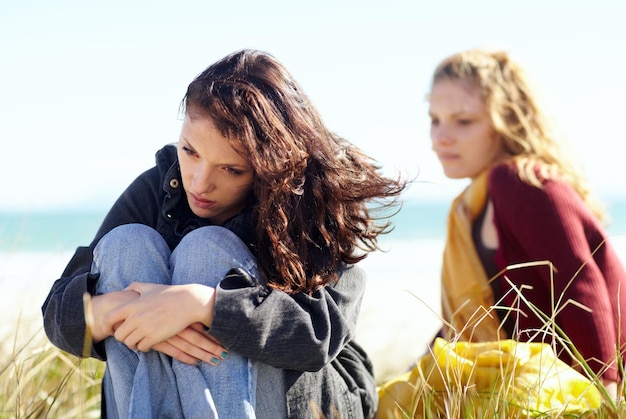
455, 175
202, 213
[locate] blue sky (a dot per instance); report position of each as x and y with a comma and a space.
90, 90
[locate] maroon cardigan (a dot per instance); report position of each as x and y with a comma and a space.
553, 223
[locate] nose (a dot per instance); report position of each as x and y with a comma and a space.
440, 134
202, 181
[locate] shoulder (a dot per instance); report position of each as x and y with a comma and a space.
351, 277
506, 176
503, 172
505, 180
351, 270
166, 164
166, 156
518, 197
158, 176
507, 189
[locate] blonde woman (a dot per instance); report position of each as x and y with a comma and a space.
526, 254
527, 202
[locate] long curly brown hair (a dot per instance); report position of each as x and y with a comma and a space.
318, 199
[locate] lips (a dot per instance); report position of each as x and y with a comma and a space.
201, 203
447, 156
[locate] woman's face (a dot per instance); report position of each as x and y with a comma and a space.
461, 131
217, 180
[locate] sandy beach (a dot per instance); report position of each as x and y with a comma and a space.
393, 328
394, 325
400, 310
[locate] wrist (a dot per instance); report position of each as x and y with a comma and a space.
205, 298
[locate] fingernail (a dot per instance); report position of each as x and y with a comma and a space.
224, 355
198, 363
215, 360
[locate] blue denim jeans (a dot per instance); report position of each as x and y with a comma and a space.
152, 384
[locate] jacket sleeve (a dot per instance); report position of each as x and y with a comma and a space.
299, 332
553, 224
63, 312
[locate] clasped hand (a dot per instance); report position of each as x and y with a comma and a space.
165, 318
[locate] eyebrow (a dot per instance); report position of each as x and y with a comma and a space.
455, 114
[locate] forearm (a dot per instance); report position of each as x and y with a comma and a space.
287, 331
63, 315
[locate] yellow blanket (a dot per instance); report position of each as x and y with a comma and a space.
466, 295
493, 379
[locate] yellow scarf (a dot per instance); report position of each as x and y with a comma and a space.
466, 295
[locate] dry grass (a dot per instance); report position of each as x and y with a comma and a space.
38, 380
460, 400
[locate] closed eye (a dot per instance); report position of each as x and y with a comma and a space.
189, 151
233, 171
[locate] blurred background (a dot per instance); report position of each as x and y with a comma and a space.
90, 90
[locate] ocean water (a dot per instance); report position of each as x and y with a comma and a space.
35, 247
58, 231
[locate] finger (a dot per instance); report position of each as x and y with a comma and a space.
130, 338
203, 340
118, 316
144, 345
211, 355
114, 319
138, 287
199, 327
171, 350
